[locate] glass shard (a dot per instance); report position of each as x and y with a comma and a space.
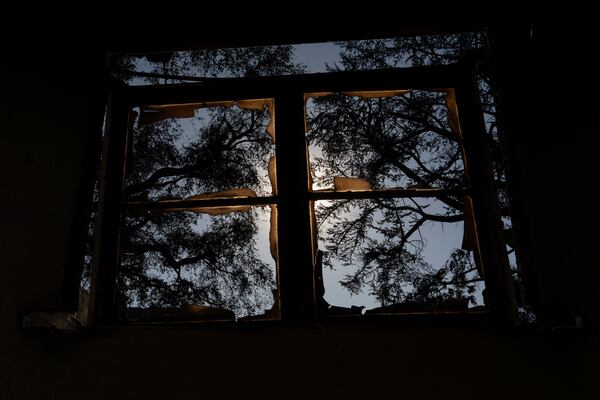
343, 184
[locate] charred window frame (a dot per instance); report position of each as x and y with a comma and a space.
297, 286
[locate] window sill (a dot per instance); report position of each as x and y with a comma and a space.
68, 322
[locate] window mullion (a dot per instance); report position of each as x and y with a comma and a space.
107, 236
182, 205
388, 194
295, 250
492, 246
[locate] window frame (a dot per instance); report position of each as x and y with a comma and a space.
295, 265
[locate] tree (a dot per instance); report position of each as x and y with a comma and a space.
170, 259
408, 140
173, 259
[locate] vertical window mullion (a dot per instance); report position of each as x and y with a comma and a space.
106, 253
295, 251
492, 246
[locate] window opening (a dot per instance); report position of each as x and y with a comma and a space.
392, 254
189, 261
244, 192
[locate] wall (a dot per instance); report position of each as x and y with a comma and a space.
550, 91
49, 103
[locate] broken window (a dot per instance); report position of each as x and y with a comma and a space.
406, 244
181, 151
370, 197
185, 253
192, 264
403, 138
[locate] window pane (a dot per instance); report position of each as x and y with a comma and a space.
397, 255
393, 139
180, 261
186, 150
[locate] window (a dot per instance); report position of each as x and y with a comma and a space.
183, 218
198, 224
399, 217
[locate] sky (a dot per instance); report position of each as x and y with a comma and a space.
441, 239
316, 56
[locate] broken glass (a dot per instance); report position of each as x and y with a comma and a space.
197, 265
185, 150
385, 139
396, 255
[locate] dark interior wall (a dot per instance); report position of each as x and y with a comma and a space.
50, 96
549, 89
50, 100
139, 363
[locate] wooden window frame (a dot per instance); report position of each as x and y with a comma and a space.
297, 299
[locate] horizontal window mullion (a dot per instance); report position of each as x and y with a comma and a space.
389, 193
175, 205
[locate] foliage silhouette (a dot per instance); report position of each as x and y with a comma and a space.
173, 259
401, 141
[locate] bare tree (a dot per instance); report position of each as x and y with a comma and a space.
171, 259
408, 140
